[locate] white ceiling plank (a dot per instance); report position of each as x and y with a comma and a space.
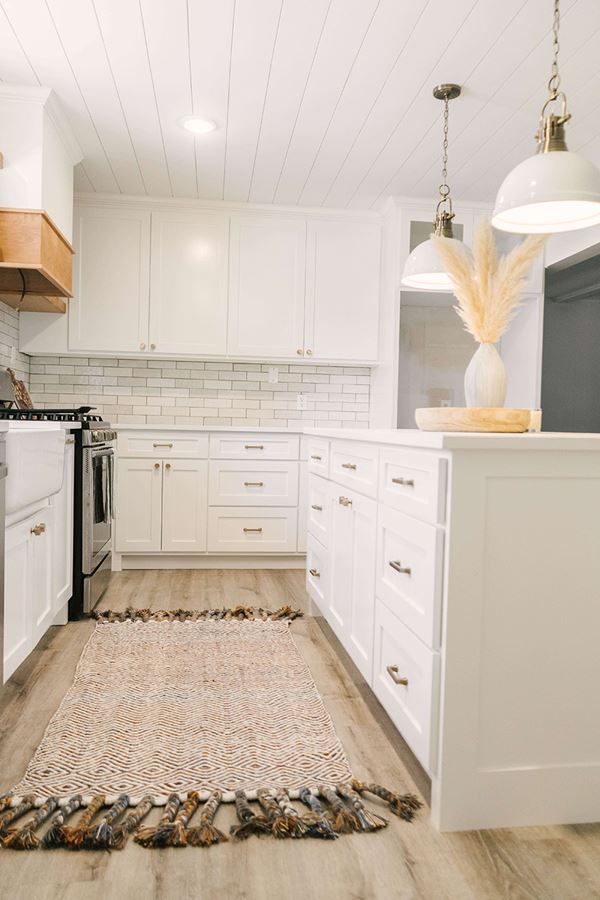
433, 32
81, 182
166, 31
345, 30
15, 68
44, 50
82, 41
211, 27
386, 40
125, 47
255, 33
298, 41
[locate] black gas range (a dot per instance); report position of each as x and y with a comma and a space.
93, 499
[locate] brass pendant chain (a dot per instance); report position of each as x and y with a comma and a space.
444, 188
554, 82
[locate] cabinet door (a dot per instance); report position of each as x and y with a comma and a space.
42, 607
342, 291
185, 506
188, 293
18, 576
62, 534
352, 585
266, 287
302, 507
109, 310
139, 505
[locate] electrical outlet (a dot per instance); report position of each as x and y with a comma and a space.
273, 374
301, 402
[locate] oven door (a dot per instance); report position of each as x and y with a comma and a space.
98, 482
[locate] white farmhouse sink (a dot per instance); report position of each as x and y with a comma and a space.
34, 454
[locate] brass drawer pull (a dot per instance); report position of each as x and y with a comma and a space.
315, 573
252, 530
253, 483
393, 673
70, 441
254, 447
318, 508
345, 501
398, 567
349, 466
318, 458
38, 529
162, 445
407, 482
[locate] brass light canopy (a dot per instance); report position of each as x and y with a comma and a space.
423, 269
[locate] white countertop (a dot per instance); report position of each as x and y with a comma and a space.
239, 428
26, 425
460, 440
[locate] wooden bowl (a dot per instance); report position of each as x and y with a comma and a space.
477, 419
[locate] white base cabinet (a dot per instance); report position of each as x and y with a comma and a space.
62, 533
28, 586
460, 572
198, 493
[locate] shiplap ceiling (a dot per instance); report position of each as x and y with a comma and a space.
318, 102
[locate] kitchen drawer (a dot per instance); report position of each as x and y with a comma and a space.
318, 456
254, 446
409, 572
317, 573
238, 529
319, 508
249, 483
414, 483
355, 465
413, 706
162, 444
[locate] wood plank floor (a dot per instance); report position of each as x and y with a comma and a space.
403, 861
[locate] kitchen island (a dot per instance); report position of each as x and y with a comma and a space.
462, 575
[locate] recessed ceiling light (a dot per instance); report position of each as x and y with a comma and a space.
197, 125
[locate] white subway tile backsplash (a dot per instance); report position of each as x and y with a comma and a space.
169, 392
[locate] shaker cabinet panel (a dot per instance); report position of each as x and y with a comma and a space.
17, 592
266, 287
342, 291
139, 505
188, 278
184, 505
109, 309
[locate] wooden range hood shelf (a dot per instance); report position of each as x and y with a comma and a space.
34, 253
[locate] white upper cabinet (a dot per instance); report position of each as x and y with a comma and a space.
109, 310
188, 278
342, 290
266, 286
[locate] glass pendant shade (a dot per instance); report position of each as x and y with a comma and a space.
424, 269
551, 192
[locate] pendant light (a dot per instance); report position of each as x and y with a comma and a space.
424, 269
555, 190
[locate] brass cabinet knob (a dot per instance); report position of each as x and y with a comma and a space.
393, 673
300, 351
157, 465
345, 501
309, 352
38, 529
142, 346
153, 346
167, 465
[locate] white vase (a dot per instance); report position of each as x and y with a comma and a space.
485, 378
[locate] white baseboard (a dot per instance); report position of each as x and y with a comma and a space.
167, 561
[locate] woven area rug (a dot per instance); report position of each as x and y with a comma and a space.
179, 709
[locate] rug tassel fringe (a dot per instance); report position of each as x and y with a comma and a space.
250, 822
131, 821
403, 805
55, 836
74, 837
14, 813
315, 820
368, 821
238, 613
25, 838
288, 824
343, 819
205, 834
152, 836
100, 836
